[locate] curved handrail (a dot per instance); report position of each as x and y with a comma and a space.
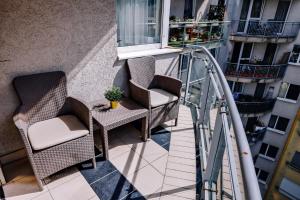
248, 171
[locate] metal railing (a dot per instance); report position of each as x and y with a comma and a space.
270, 28
197, 33
255, 71
206, 90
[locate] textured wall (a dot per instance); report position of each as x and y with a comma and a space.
78, 37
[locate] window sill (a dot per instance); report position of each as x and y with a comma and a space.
295, 64
150, 52
286, 100
266, 157
276, 131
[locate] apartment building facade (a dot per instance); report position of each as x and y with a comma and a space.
285, 183
263, 70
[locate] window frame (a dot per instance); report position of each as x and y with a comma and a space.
264, 155
274, 129
286, 92
291, 54
165, 12
258, 173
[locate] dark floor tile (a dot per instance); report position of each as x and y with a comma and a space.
103, 168
135, 196
113, 187
162, 137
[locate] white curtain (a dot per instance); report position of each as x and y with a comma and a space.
138, 21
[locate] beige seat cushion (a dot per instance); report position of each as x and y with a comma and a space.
160, 97
55, 131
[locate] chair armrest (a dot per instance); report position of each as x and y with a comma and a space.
169, 84
21, 121
139, 94
81, 110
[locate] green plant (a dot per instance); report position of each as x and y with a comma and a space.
113, 94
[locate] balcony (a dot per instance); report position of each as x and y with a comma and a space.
264, 31
260, 73
251, 107
211, 34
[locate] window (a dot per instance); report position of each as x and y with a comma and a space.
246, 54
256, 8
139, 22
279, 123
238, 87
262, 175
295, 54
289, 91
268, 151
295, 163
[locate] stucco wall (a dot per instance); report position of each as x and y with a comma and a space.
78, 37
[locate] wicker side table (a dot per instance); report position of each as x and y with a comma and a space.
128, 111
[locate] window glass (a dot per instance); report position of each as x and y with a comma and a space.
283, 89
272, 151
139, 22
238, 87
293, 92
272, 121
295, 54
282, 123
256, 8
247, 50
263, 175
296, 160
263, 148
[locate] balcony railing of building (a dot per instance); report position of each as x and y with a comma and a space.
256, 71
266, 29
206, 33
247, 104
220, 129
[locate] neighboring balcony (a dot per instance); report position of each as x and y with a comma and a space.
211, 34
253, 107
264, 31
260, 73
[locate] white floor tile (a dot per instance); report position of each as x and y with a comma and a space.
150, 150
76, 189
45, 196
128, 162
62, 177
23, 189
160, 164
178, 160
178, 191
147, 180
179, 182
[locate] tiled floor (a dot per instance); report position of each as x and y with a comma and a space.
164, 167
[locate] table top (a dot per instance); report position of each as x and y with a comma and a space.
127, 111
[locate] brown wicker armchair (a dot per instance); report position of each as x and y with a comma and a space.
159, 93
55, 129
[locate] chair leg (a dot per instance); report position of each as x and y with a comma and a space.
176, 121
40, 183
94, 162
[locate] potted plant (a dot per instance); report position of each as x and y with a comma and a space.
114, 95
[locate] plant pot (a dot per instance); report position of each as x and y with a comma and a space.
114, 104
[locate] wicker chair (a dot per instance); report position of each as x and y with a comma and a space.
55, 129
159, 93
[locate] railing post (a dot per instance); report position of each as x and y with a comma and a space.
204, 96
187, 85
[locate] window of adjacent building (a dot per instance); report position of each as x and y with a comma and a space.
295, 162
295, 54
262, 175
289, 91
256, 8
279, 123
237, 87
269, 151
246, 54
139, 22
